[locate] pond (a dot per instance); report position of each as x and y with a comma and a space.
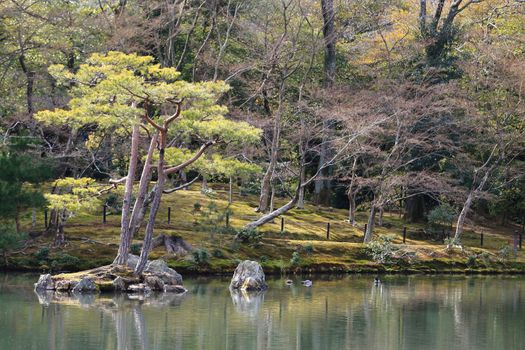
337, 312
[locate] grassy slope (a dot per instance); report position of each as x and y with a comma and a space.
95, 243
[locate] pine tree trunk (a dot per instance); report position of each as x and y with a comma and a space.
125, 241
141, 202
60, 238
148, 236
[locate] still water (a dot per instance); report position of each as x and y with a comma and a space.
337, 312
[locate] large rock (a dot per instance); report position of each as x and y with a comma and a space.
154, 282
158, 268
86, 285
248, 276
44, 283
119, 284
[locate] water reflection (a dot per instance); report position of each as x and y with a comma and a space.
246, 302
344, 313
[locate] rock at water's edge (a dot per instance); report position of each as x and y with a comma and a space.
44, 283
248, 276
86, 285
119, 284
175, 289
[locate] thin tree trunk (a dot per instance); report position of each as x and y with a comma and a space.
124, 246
148, 236
351, 207
230, 191
300, 200
273, 214
327, 7
272, 197
33, 218
370, 226
468, 203
267, 179
17, 220
380, 220
30, 77
204, 186
60, 238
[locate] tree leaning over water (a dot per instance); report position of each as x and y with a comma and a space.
132, 98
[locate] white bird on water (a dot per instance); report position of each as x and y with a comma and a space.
307, 283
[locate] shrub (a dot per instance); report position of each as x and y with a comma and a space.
472, 260
441, 216
65, 262
42, 254
250, 236
9, 240
309, 249
381, 250
197, 207
201, 256
135, 248
485, 257
217, 253
296, 259
263, 259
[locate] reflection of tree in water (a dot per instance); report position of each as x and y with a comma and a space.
403, 312
125, 311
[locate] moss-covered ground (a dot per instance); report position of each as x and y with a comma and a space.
201, 221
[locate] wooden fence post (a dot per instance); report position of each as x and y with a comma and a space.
45, 219
404, 234
104, 209
328, 231
169, 215
227, 219
282, 224
481, 239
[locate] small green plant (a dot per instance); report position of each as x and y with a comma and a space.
135, 248
441, 217
201, 256
485, 257
250, 236
472, 260
217, 253
197, 207
381, 250
504, 253
309, 249
296, 259
263, 259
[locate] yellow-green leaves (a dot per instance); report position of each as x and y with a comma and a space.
74, 195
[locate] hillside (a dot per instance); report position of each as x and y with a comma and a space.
92, 243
